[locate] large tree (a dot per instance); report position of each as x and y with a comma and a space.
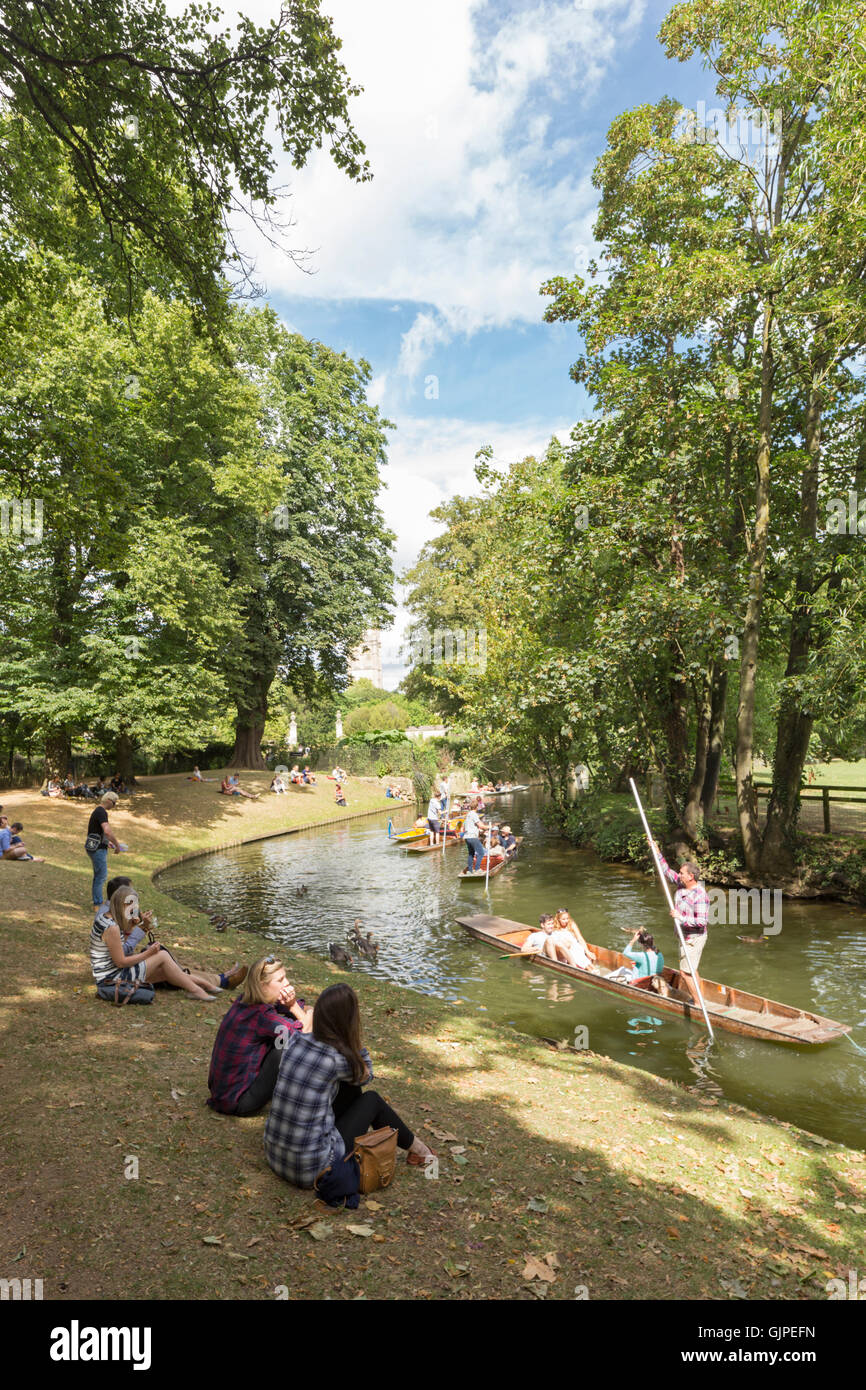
162, 127
316, 570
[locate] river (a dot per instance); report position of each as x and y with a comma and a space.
410, 902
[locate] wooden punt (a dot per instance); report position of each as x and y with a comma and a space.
732, 1009
417, 833
482, 872
453, 839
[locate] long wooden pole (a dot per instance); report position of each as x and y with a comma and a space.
666, 887
487, 871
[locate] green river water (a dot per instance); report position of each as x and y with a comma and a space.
817, 961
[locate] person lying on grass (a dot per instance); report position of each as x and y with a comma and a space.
313, 1123
252, 1035
8, 850
153, 964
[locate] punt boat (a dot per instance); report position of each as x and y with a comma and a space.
734, 1010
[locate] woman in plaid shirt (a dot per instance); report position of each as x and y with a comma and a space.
310, 1126
248, 1046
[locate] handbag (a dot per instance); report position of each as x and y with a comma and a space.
121, 992
376, 1153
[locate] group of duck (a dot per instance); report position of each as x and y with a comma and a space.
366, 946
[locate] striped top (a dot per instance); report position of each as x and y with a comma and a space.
101, 964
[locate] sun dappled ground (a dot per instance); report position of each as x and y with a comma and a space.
558, 1172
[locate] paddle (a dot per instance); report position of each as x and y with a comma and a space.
665, 886
519, 955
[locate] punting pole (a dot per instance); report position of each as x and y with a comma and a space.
445, 822
487, 870
666, 887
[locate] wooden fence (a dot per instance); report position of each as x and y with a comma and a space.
808, 792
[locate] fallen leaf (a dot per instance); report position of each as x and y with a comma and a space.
537, 1204
551, 1259
458, 1158
373, 1206
318, 1230
459, 1149
212, 1240
443, 1134
255, 1241
537, 1269
360, 1230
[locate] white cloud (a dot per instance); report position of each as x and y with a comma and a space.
481, 188
430, 461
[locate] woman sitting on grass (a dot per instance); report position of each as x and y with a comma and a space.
310, 1126
338, 795
109, 962
249, 1044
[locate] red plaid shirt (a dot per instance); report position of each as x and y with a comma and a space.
245, 1036
692, 904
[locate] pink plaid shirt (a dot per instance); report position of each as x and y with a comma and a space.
692, 905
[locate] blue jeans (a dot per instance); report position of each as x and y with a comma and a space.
99, 860
476, 854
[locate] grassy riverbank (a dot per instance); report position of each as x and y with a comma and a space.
572, 1169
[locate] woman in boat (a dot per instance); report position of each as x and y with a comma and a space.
569, 939
304, 1133
641, 949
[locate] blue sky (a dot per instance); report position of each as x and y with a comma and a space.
483, 121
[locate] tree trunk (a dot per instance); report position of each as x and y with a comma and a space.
250, 723
794, 727
123, 758
747, 801
715, 740
58, 753
693, 808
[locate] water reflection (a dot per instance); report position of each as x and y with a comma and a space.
410, 903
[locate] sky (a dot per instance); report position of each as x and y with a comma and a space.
483, 120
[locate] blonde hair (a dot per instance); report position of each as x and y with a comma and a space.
258, 975
110, 797
118, 903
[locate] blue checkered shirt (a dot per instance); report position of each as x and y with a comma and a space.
301, 1135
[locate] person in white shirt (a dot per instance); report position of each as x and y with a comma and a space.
472, 830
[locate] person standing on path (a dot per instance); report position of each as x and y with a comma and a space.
99, 836
691, 912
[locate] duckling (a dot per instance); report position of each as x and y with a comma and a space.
752, 940
300, 890
339, 954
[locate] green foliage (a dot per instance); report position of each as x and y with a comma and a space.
156, 128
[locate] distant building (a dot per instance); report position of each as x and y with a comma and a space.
422, 731
365, 663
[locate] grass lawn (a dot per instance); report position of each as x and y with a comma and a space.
558, 1172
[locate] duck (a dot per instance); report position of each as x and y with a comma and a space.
218, 922
301, 890
367, 945
339, 954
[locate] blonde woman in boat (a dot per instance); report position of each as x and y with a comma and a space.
569, 939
